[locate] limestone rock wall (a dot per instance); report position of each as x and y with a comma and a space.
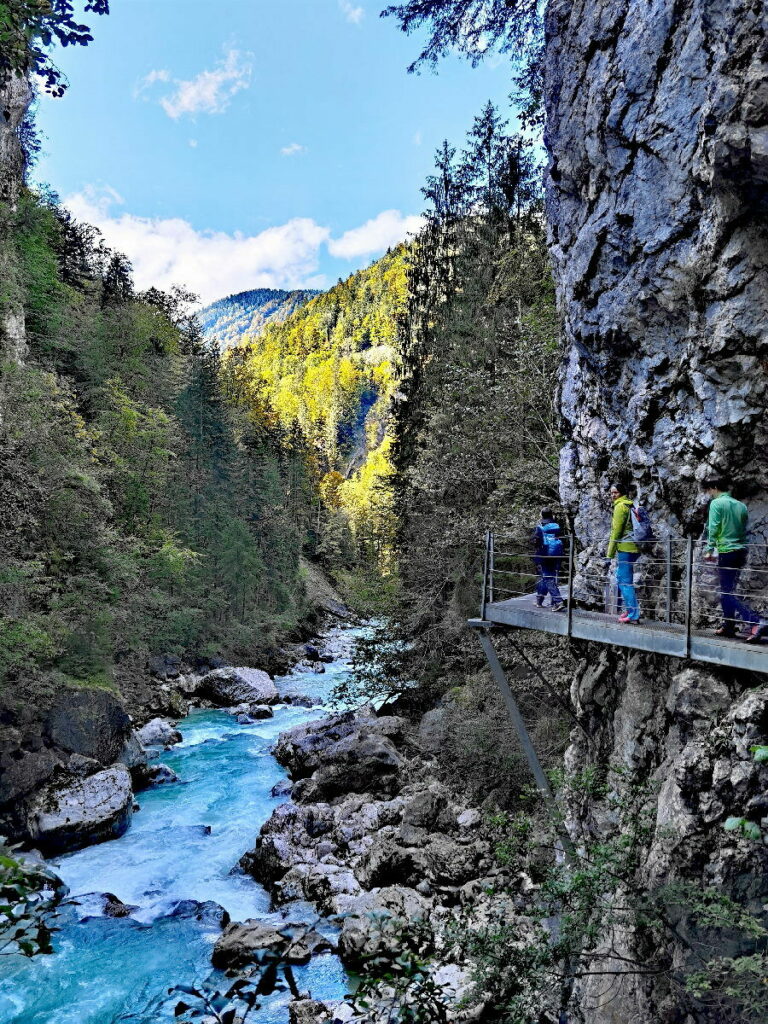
657, 203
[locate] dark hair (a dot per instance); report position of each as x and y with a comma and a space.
546, 515
626, 490
716, 483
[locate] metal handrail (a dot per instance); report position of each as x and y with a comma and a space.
672, 578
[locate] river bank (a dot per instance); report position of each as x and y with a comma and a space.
173, 870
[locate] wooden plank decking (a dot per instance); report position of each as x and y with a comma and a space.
656, 637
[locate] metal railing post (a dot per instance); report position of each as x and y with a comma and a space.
484, 587
491, 565
688, 595
571, 562
542, 783
669, 579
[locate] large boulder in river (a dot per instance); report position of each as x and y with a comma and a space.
240, 944
329, 886
353, 752
288, 837
308, 1011
90, 722
302, 749
159, 732
225, 687
81, 811
357, 764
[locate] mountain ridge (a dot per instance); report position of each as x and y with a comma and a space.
230, 319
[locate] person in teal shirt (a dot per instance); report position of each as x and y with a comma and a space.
727, 544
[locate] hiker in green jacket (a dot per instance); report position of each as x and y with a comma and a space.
627, 552
727, 544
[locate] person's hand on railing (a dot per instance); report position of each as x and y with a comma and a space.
710, 556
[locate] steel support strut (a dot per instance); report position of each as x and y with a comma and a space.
532, 757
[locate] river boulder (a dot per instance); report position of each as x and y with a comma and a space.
226, 687
207, 911
365, 763
241, 942
159, 732
77, 812
353, 752
160, 775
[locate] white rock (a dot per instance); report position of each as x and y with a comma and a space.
83, 811
230, 686
159, 732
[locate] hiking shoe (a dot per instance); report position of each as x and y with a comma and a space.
559, 607
539, 602
756, 634
727, 631
624, 618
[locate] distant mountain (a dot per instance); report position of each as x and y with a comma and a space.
228, 320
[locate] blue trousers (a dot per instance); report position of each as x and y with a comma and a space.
625, 574
729, 566
548, 568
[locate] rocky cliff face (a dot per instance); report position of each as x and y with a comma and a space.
658, 205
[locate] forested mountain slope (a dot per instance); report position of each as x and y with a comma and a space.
328, 374
228, 321
142, 514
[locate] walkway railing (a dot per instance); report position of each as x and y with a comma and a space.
677, 589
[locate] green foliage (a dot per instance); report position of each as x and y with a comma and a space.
141, 512
522, 965
732, 988
27, 901
749, 829
475, 28
476, 424
327, 376
471, 27
398, 981
28, 28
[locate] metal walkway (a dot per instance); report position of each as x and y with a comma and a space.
656, 637
678, 593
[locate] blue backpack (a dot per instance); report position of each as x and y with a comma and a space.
642, 531
551, 542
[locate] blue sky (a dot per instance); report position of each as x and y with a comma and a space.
229, 144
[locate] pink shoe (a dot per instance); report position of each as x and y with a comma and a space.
624, 618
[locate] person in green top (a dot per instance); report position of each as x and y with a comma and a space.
727, 544
621, 544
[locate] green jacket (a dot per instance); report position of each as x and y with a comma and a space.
621, 528
727, 524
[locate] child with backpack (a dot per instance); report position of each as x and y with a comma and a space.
547, 558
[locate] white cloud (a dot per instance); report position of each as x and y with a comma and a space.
208, 92
353, 14
376, 235
417, 138
193, 143
149, 80
293, 149
168, 251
